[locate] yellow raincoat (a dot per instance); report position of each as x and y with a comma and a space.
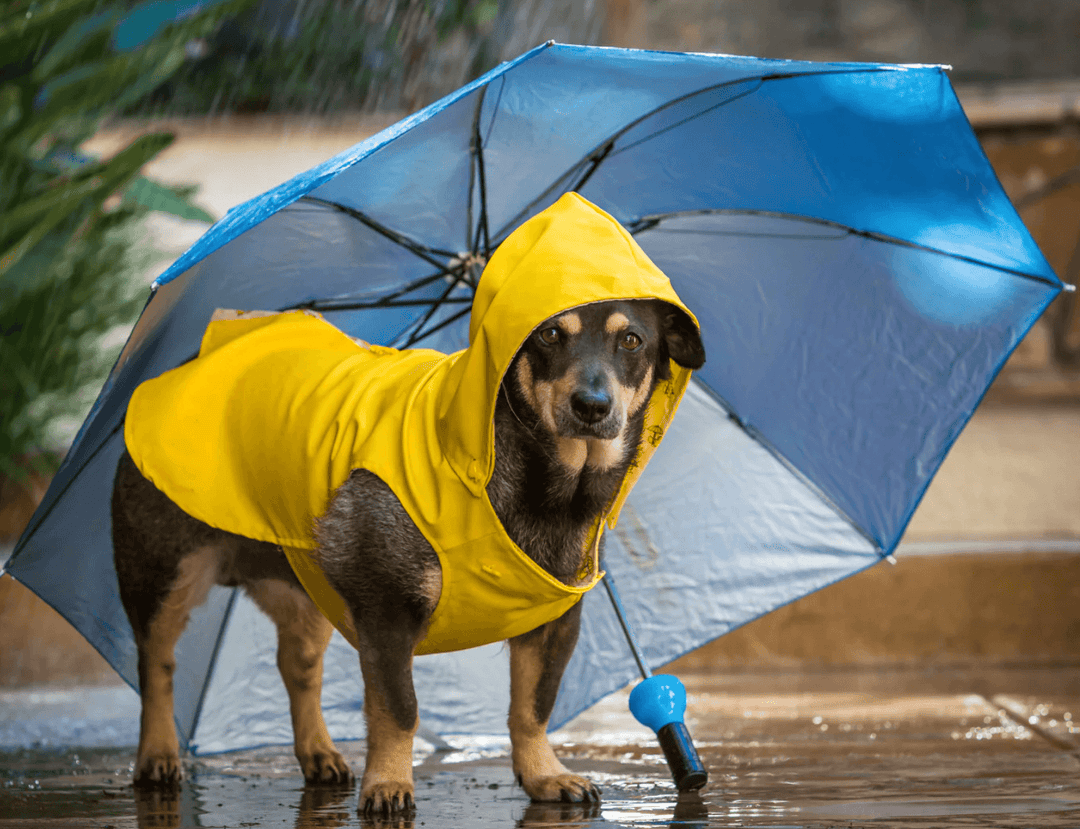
255, 434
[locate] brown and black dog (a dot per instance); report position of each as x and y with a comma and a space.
567, 424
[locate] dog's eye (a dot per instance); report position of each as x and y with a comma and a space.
630, 341
550, 335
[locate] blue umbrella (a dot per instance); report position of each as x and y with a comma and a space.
859, 276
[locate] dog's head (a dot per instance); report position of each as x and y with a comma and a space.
588, 372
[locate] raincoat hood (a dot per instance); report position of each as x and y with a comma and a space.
571, 254
254, 435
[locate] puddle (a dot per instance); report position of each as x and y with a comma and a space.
939, 808
800, 752
261, 788
83, 716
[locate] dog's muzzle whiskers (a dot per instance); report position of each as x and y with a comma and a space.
510, 405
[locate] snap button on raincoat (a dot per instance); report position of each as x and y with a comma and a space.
255, 434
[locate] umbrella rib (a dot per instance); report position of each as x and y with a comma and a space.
477, 154
654, 221
605, 148
594, 164
689, 118
213, 661
390, 299
404, 241
431, 312
472, 182
331, 305
418, 335
755, 435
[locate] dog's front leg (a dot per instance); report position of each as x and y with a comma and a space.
537, 662
388, 575
391, 714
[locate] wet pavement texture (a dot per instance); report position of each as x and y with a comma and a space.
975, 747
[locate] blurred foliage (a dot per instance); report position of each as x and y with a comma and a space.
70, 225
319, 56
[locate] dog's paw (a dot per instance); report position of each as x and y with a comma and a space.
158, 771
564, 788
386, 799
325, 766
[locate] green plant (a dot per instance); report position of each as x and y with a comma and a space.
70, 225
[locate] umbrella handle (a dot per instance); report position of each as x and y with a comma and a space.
659, 702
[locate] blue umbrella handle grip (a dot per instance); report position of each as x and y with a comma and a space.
659, 702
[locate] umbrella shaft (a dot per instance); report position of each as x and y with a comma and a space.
616, 603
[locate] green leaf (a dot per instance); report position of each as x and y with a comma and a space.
87, 86
23, 23
160, 71
155, 196
66, 198
37, 269
68, 268
102, 176
106, 178
130, 160
78, 38
14, 254
10, 106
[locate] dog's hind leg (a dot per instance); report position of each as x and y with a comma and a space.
165, 564
537, 662
158, 761
303, 634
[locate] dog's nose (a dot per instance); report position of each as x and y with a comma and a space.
589, 405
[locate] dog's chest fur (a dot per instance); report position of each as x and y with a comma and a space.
546, 506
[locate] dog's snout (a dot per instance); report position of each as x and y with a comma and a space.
591, 405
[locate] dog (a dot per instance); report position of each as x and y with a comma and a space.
568, 421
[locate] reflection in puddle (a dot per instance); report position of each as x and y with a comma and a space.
325, 806
252, 789
563, 815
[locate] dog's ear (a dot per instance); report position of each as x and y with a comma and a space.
682, 338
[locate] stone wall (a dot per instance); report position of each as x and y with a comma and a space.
984, 40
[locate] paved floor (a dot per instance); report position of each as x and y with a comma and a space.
994, 747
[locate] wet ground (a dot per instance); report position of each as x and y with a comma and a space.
994, 747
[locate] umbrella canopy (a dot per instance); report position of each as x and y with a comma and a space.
858, 273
